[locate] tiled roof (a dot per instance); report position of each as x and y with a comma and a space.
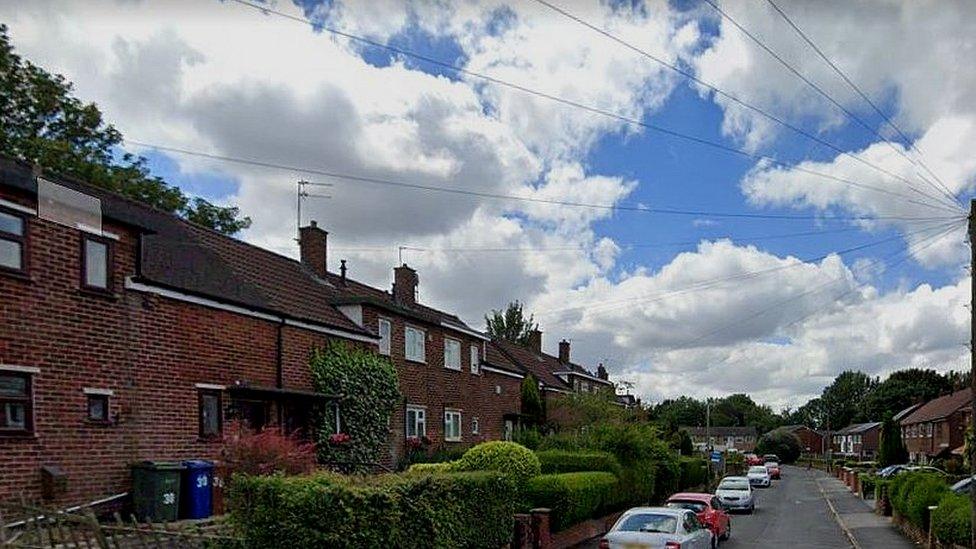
497, 359
721, 431
795, 428
902, 414
940, 407
856, 428
540, 365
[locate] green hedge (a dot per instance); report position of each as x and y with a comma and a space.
324, 510
694, 472
508, 457
913, 493
574, 497
568, 461
443, 467
951, 521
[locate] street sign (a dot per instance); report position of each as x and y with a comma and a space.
716, 457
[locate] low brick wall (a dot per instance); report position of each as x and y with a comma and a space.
583, 531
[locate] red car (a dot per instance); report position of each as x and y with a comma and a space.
753, 459
773, 469
708, 509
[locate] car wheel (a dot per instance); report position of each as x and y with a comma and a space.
751, 510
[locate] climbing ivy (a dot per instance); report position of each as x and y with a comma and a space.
369, 385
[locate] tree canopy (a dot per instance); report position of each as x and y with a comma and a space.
511, 324
44, 124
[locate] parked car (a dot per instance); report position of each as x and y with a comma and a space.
770, 457
892, 470
759, 476
964, 485
927, 469
709, 509
773, 468
753, 459
735, 494
658, 528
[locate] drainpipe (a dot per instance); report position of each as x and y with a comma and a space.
280, 373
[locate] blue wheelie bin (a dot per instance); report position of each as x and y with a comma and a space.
197, 491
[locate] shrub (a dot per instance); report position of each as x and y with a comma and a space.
324, 510
694, 472
573, 497
371, 381
927, 491
784, 444
868, 483
441, 467
508, 457
530, 437
266, 452
566, 461
951, 521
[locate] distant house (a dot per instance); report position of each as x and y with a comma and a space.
859, 440
721, 439
937, 427
811, 440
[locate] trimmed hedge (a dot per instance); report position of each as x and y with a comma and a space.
913, 493
426, 468
324, 510
694, 472
951, 521
507, 457
567, 461
573, 497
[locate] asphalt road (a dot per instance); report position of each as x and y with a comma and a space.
792, 514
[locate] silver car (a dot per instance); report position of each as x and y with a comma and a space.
758, 475
658, 528
735, 494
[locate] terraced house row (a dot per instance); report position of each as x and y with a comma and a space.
129, 334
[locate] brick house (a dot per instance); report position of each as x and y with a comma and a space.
937, 427
811, 440
129, 334
859, 440
721, 439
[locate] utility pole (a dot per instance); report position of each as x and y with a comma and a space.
301, 195
708, 434
972, 356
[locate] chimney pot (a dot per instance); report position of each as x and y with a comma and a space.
601, 372
313, 243
564, 351
535, 340
405, 282
342, 271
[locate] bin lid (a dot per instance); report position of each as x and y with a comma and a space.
198, 464
158, 465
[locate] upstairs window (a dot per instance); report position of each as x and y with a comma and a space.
13, 242
210, 416
475, 360
96, 263
98, 408
16, 403
452, 425
415, 344
386, 333
452, 354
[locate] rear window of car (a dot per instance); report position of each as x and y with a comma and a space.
649, 522
772, 464
695, 506
734, 485
757, 469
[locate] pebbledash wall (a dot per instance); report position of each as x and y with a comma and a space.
153, 352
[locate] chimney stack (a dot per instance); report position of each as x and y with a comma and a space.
535, 340
601, 373
405, 282
313, 243
564, 351
342, 272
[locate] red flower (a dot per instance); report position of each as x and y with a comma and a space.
339, 438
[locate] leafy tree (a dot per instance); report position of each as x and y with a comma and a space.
43, 123
810, 414
685, 446
891, 451
532, 404
783, 443
842, 399
682, 411
902, 389
511, 324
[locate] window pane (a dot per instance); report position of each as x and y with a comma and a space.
384, 337
11, 224
96, 264
475, 359
11, 254
210, 414
98, 408
15, 416
13, 386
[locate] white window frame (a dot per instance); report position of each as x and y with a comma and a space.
412, 354
448, 342
385, 344
457, 423
420, 421
475, 426
475, 357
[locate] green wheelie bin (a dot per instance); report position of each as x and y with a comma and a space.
156, 490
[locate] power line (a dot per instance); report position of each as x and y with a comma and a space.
820, 91
729, 96
553, 202
595, 110
864, 96
709, 283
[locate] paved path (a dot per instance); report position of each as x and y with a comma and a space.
794, 513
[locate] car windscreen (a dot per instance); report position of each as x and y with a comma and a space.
695, 506
758, 469
772, 464
649, 522
733, 485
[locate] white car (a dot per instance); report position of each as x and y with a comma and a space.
658, 528
758, 475
735, 494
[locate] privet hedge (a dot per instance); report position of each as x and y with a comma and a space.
371, 382
951, 521
913, 493
694, 473
574, 497
435, 510
508, 457
569, 461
